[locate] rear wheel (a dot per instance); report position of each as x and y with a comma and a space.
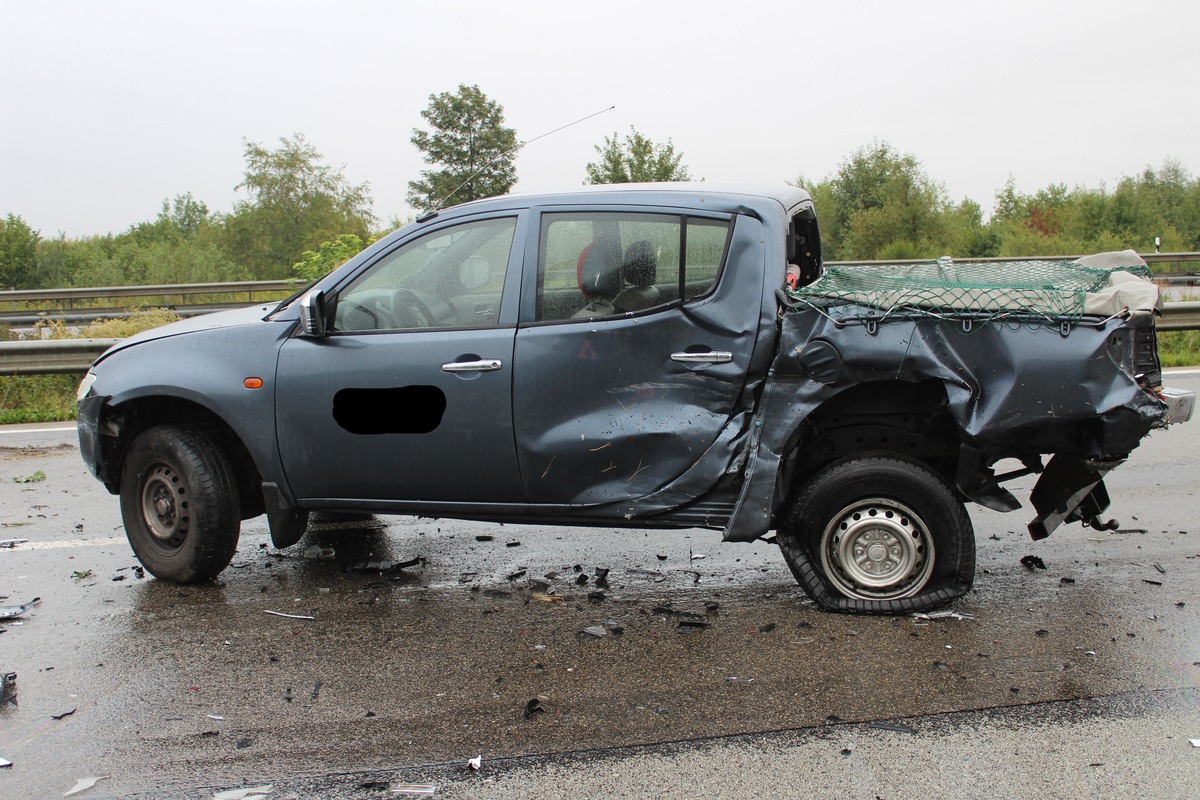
879, 535
179, 502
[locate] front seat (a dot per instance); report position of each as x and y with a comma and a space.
640, 269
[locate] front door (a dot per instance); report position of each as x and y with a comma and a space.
409, 397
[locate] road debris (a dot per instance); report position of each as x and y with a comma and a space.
770, 626
476, 762
60, 715
83, 784
1066, 580
249, 793
535, 706
288, 616
1041, 633
316, 690
546, 598
738, 679
8, 689
595, 631
483, 537
318, 553
9, 544
513, 543
1032, 562
4, 762
384, 565
512, 576
36, 477
1195, 742
419, 789
12, 612
1152, 583
947, 614
690, 625
697, 556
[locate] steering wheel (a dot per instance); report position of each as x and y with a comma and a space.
406, 303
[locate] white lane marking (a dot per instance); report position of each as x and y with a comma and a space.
102, 542
1181, 371
11, 430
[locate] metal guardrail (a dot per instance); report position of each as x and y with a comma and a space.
52, 356
76, 355
181, 290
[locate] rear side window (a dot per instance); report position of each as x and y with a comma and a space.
599, 264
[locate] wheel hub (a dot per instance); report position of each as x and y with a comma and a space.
877, 549
164, 505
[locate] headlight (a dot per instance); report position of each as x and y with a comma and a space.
85, 386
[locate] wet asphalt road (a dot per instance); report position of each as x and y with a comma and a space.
714, 676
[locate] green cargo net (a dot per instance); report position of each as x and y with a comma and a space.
1059, 291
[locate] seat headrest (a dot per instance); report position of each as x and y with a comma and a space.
597, 271
641, 264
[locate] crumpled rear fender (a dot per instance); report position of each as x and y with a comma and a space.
1006, 384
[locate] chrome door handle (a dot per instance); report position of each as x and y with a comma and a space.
711, 357
482, 365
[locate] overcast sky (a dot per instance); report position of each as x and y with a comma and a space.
107, 108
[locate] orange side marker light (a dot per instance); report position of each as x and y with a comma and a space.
252, 383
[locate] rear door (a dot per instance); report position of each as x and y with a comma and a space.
622, 383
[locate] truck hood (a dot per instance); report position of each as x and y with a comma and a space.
206, 322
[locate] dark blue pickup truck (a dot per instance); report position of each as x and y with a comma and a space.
655, 356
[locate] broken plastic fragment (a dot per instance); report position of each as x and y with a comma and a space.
1195, 742
8, 688
12, 612
534, 706
68, 712
83, 784
476, 762
932, 615
419, 789
11, 543
546, 598
4, 762
386, 566
288, 616
595, 630
1032, 562
317, 552
249, 793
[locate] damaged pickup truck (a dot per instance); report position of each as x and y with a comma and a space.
656, 356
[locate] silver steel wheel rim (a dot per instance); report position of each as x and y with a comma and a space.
877, 549
165, 505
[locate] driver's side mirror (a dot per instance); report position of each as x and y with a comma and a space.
312, 315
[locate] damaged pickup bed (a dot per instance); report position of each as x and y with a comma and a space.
656, 356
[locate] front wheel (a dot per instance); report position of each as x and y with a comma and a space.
179, 502
879, 535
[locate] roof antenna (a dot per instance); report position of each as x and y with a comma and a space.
518, 146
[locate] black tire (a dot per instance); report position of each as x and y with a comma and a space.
879, 535
179, 502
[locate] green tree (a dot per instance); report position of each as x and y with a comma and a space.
295, 203
475, 153
18, 254
317, 263
637, 159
